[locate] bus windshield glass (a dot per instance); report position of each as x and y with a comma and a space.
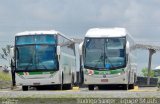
36, 52
35, 39
104, 53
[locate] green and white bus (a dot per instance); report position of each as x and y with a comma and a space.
43, 58
107, 58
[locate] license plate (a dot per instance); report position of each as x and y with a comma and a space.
104, 80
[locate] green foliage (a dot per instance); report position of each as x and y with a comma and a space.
6, 52
145, 72
5, 76
5, 80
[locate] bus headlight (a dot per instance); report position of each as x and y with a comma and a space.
121, 73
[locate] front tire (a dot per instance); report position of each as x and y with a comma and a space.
25, 88
69, 86
131, 86
61, 86
91, 87
125, 86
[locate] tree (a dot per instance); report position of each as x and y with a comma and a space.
6, 54
145, 72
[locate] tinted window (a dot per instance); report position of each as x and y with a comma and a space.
36, 39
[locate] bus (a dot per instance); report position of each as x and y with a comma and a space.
108, 58
42, 58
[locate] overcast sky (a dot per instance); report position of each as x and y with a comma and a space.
75, 17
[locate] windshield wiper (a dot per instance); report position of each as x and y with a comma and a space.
30, 62
43, 66
38, 62
112, 66
100, 59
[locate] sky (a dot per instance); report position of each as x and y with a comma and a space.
74, 17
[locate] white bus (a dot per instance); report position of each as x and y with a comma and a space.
107, 58
43, 58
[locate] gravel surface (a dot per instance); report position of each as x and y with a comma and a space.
82, 96
78, 94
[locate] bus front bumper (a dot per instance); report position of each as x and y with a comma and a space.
108, 79
36, 80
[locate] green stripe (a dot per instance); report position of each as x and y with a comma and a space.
98, 72
36, 73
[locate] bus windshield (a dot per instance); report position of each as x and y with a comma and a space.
33, 54
104, 53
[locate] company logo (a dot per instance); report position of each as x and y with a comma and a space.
104, 76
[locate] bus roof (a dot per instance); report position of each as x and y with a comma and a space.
50, 32
106, 32
37, 32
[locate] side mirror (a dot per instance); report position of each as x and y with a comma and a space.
12, 52
58, 50
12, 57
127, 48
80, 48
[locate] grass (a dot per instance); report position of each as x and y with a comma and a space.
29, 100
5, 76
38, 101
5, 80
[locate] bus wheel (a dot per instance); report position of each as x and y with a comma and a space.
69, 86
25, 88
62, 85
90, 87
125, 86
131, 86
72, 82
